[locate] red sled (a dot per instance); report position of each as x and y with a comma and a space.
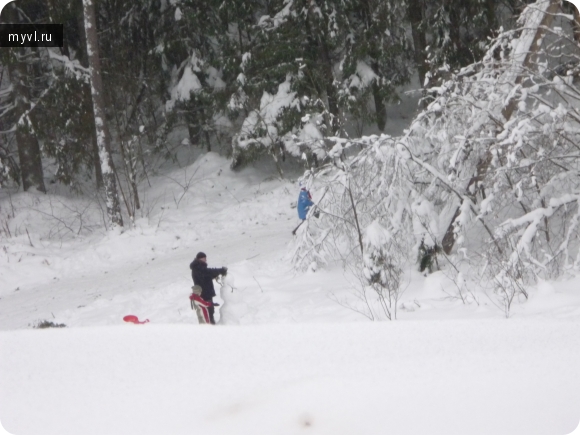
134, 319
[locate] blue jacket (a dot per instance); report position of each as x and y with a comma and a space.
304, 203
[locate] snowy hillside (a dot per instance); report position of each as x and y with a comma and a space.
302, 360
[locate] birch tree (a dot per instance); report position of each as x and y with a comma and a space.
103, 137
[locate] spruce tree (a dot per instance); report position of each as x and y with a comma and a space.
313, 65
457, 31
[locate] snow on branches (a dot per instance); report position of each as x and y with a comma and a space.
490, 168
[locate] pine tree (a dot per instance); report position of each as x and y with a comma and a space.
193, 49
457, 31
311, 66
378, 58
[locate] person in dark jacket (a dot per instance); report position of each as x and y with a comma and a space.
203, 276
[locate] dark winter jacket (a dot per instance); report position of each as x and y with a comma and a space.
203, 276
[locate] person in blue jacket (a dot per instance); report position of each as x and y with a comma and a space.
304, 203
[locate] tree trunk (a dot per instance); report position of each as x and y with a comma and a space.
101, 131
84, 61
525, 49
326, 90
27, 143
29, 153
419, 38
576, 22
454, 25
331, 93
29, 157
380, 108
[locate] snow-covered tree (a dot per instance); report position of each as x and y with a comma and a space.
189, 52
457, 32
373, 187
311, 66
498, 151
495, 153
377, 59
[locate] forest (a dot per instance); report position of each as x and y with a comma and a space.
484, 181
240, 75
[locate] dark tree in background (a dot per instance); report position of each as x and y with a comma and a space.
23, 69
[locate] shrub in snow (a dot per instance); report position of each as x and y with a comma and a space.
366, 222
383, 262
48, 324
427, 257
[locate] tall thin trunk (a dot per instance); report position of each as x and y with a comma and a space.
331, 94
576, 22
101, 130
491, 16
326, 90
419, 38
29, 154
84, 61
455, 30
96, 160
26, 141
380, 108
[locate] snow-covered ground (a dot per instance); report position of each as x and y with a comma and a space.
288, 357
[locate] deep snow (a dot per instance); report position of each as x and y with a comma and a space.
440, 377
286, 358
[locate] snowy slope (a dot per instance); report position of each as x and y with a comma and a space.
147, 267
289, 357
461, 377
